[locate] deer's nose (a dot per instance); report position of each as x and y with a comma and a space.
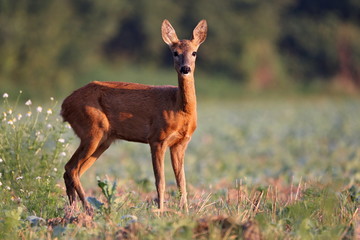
185, 69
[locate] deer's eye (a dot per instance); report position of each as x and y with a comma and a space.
176, 54
194, 54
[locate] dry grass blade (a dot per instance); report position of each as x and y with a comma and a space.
257, 203
204, 203
298, 190
356, 219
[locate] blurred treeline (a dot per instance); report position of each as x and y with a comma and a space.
46, 45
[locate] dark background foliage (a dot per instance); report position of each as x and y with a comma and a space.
263, 44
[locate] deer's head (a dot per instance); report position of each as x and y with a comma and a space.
184, 51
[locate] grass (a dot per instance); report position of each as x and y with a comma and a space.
276, 169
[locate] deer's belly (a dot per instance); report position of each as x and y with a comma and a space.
132, 129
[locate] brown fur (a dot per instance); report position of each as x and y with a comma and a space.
162, 116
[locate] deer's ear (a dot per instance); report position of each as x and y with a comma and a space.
200, 32
168, 33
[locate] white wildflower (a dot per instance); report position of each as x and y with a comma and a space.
49, 111
8, 188
39, 109
0, 183
52, 99
1, 160
38, 178
28, 102
19, 178
28, 114
20, 91
10, 122
37, 133
55, 169
5, 95
61, 140
63, 154
49, 126
10, 111
19, 116
5, 114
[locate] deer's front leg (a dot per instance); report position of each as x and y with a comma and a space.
157, 154
177, 160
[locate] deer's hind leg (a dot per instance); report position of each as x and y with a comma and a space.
92, 145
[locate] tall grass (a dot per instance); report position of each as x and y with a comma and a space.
32, 149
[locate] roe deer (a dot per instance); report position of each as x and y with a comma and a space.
162, 116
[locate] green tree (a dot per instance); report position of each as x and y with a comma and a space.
319, 41
45, 43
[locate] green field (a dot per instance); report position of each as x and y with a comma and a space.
276, 168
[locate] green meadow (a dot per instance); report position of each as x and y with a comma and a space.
257, 168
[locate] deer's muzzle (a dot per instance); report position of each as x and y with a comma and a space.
185, 69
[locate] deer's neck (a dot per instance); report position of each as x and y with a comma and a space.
186, 95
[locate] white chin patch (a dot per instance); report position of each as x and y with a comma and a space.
185, 74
